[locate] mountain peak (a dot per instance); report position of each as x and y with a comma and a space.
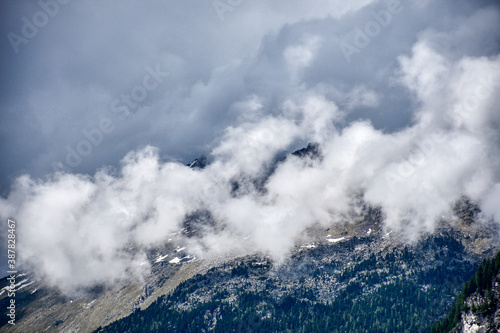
312, 151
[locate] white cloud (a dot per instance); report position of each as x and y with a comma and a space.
247, 96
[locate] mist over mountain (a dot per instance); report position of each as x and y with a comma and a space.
352, 277
223, 157
399, 98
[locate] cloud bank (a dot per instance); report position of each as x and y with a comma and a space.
401, 97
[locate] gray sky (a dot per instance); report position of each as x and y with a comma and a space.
65, 78
85, 83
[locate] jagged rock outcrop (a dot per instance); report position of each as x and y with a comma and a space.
483, 312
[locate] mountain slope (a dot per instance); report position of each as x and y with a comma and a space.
356, 276
477, 308
356, 279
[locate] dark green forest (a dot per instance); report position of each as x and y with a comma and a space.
384, 292
481, 283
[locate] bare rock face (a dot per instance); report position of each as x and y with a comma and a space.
473, 324
483, 315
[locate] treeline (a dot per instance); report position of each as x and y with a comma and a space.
397, 307
481, 283
392, 292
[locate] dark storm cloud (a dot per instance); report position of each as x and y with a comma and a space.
64, 78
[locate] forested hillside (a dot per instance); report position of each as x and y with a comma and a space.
479, 297
360, 285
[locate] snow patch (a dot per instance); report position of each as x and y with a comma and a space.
161, 258
88, 305
335, 240
25, 285
176, 260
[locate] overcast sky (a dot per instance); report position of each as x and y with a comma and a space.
70, 73
86, 82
